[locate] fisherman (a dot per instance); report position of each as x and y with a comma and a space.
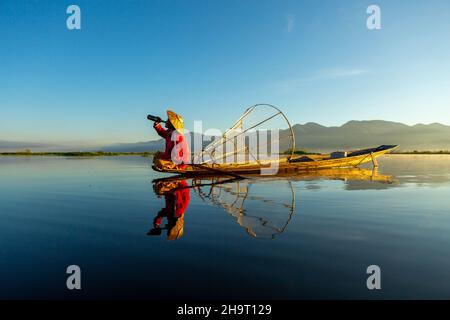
177, 148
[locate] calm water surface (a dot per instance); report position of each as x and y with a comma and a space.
300, 237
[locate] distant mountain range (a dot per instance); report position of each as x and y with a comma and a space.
152, 145
361, 134
310, 136
11, 146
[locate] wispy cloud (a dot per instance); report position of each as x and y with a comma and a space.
290, 22
336, 73
319, 75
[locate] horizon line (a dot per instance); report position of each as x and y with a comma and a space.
75, 142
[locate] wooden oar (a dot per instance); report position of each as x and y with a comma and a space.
195, 165
228, 180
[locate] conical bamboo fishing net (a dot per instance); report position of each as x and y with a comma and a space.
259, 136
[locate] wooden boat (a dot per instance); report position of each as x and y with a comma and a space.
242, 150
343, 174
284, 164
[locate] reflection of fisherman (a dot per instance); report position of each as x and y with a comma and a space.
176, 194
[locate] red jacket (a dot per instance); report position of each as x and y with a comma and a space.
177, 148
177, 202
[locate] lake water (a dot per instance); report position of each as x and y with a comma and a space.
271, 238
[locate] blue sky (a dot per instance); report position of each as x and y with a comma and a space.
209, 60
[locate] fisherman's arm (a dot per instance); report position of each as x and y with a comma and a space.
160, 130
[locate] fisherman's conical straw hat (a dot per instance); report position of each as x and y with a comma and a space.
177, 231
176, 120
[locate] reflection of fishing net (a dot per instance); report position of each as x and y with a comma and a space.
258, 136
259, 210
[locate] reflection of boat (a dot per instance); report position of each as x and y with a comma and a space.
252, 201
357, 174
244, 149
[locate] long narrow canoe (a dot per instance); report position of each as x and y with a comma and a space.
345, 174
282, 165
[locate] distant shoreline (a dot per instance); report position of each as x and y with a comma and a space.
148, 154
77, 154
